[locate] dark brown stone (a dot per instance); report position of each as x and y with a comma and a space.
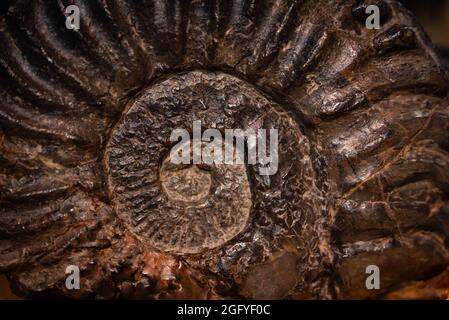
85, 121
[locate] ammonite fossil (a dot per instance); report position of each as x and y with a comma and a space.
86, 117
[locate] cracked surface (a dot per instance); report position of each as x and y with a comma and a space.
85, 118
182, 208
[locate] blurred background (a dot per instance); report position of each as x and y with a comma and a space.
432, 14
434, 17
5, 292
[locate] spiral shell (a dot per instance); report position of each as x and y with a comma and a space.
86, 117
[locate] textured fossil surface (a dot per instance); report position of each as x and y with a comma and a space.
85, 121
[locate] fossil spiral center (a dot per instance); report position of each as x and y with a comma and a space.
182, 207
182, 171
189, 185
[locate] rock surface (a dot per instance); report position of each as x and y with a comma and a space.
85, 121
